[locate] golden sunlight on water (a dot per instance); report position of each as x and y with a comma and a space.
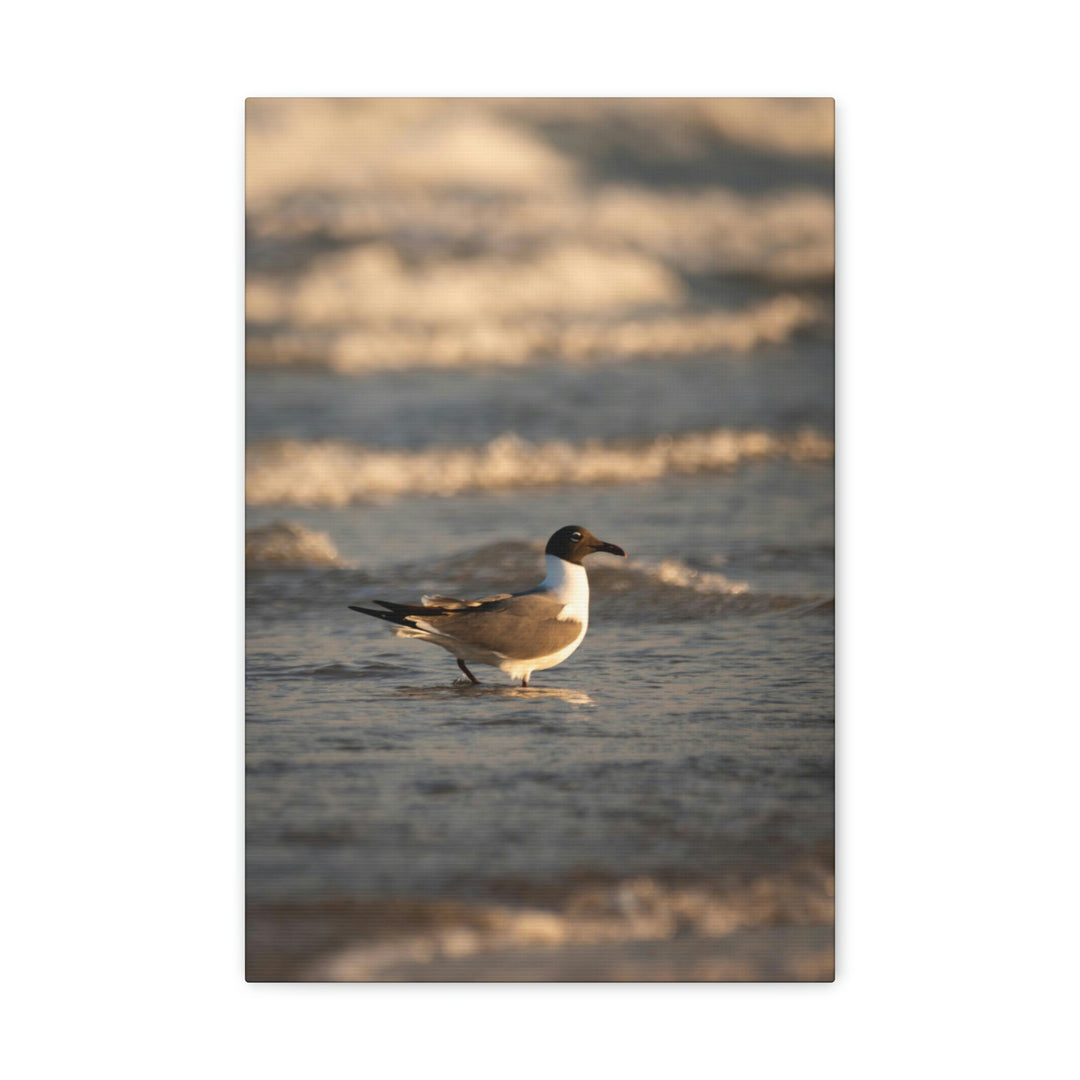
335, 474
398, 233
470, 322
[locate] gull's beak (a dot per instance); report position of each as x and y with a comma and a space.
612, 549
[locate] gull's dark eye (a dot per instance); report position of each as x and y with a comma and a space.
576, 536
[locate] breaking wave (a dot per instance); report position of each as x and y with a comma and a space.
361, 144
785, 236
512, 342
372, 284
641, 928
388, 234
336, 473
668, 587
500, 145
286, 544
676, 573
675, 590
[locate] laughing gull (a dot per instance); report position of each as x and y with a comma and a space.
517, 633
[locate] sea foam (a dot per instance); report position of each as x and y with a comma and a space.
336, 473
504, 342
482, 940
286, 544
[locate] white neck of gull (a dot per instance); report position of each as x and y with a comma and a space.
569, 582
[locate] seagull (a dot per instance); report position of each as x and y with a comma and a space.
518, 633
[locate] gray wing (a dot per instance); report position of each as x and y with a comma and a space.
449, 603
519, 627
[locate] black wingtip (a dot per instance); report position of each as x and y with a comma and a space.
369, 611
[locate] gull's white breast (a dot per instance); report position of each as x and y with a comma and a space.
569, 583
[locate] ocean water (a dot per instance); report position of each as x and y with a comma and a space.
437, 383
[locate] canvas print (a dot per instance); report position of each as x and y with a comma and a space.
539, 541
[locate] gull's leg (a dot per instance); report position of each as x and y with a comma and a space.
525, 681
472, 678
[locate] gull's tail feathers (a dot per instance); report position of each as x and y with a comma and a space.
397, 614
404, 618
402, 614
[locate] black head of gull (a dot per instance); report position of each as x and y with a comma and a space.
518, 633
574, 542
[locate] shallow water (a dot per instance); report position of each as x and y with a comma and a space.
690, 738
